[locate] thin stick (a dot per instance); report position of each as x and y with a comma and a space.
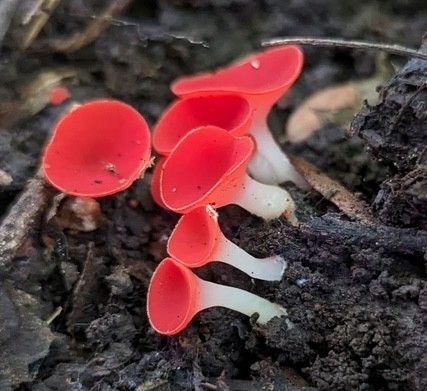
393, 49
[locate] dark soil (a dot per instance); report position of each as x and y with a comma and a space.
356, 294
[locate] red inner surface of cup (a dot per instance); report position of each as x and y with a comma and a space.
201, 165
230, 112
171, 297
97, 149
193, 240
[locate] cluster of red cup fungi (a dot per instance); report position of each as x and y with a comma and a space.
209, 139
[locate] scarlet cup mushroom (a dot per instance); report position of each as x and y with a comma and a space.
98, 148
227, 111
197, 240
176, 295
208, 166
155, 182
262, 79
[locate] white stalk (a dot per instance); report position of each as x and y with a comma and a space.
270, 165
268, 269
262, 170
265, 201
215, 295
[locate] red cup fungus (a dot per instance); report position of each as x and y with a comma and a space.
176, 295
155, 182
58, 95
261, 78
227, 111
197, 240
97, 149
208, 166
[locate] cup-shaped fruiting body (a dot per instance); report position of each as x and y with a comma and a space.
97, 149
208, 166
262, 79
228, 111
155, 182
176, 295
197, 240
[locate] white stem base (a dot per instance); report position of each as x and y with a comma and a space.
270, 165
216, 295
265, 201
268, 269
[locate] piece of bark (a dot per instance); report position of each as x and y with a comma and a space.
330, 229
395, 132
247, 385
25, 338
22, 219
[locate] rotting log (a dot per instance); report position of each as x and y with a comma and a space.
395, 133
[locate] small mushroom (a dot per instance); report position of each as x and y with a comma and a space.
58, 95
262, 79
176, 295
98, 148
79, 213
227, 111
197, 240
208, 166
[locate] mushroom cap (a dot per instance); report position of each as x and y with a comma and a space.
171, 297
202, 168
195, 237
228, 111
98, 148
270, 72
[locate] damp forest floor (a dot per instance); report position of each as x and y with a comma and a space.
72, 303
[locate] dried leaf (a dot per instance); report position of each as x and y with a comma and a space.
5, 178
336, 104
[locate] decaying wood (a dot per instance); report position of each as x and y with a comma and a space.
247, 385
395, 130
22, 219
331, 229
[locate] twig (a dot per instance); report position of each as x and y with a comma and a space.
7, 9
393, 49
343, 199
93, 30
36, 21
